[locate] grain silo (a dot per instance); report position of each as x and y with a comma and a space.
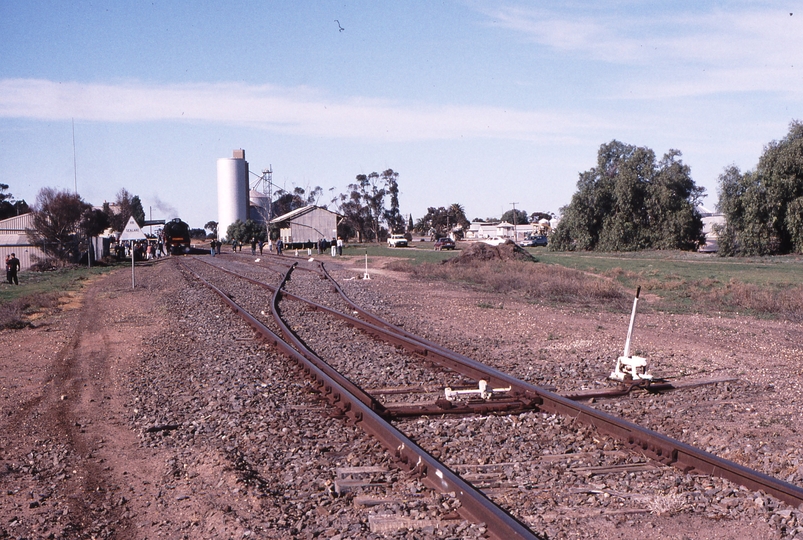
232, 191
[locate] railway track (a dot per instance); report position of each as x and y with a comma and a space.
373, 411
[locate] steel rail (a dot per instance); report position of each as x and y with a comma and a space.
475, 506
654, 445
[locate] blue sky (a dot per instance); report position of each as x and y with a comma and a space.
482, 104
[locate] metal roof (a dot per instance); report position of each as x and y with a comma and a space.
289, 216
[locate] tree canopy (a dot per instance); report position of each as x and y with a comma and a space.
519, 217
127, 205
630, 201
8, 206
764, 208
287, 201
243, 232
364, 207
441, 221
211, 226
57, 218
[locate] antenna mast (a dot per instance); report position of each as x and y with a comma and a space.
74, 161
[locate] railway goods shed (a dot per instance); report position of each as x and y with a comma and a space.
308, 224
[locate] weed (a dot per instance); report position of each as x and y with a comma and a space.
528, 280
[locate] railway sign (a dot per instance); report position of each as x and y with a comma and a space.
132, 232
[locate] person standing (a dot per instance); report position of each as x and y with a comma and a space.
253, 246
12, 267
212, 246
339, 246
279, 246
261, 243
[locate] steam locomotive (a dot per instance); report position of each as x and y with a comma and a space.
176, 237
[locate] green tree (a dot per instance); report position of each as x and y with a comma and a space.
630, 202
211, 226
287, 201
127, 205
243, 232
363, 207
521, 217
392, 215
764, 208
94, 222
8, 206
535, 217
56, 222
441, 221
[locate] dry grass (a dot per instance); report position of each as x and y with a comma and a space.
14, 314
667, 505
786, 302
530, 281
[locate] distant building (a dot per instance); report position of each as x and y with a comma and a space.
14, 240
710, 219
308, 224
504, 230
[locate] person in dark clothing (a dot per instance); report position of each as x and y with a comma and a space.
279, 246
12, 267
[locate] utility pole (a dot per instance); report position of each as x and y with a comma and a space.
515, 238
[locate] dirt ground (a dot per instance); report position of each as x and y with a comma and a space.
71, 466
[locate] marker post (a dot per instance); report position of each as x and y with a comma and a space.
132, 232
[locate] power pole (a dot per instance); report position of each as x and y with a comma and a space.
514, 221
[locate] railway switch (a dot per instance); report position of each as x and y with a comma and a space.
483, 391
631, 367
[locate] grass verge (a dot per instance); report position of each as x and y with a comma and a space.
678, 282
41, 291
526, 281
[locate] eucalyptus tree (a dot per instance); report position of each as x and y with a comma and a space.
764, 208
630, 201
56, 219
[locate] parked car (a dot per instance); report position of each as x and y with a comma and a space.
397, 240
494, 241
540, 240
444, 243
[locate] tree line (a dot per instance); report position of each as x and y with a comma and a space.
632, 201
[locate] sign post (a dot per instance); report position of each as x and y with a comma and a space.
132, 232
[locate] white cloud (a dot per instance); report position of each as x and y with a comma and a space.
289, 110
743, 49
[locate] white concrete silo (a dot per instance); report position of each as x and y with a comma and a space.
232, 191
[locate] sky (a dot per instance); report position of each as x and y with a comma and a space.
489, 105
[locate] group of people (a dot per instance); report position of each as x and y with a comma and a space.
236, 245
12, 267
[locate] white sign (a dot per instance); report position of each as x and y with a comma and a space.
132, 231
